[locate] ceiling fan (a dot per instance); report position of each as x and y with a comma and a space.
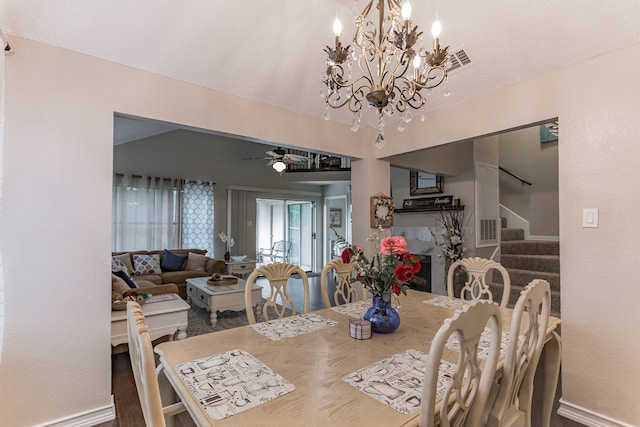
279, 159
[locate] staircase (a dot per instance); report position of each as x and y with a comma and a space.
526, 260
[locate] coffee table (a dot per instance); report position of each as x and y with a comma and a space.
164, 315
219, 298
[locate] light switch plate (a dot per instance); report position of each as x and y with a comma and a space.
590, 218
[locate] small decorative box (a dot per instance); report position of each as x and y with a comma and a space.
360, 329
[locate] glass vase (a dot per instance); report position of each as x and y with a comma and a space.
383, 317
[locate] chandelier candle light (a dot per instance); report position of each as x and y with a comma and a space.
393, 69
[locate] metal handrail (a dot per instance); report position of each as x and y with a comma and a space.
522, 180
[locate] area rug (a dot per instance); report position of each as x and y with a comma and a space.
200, 323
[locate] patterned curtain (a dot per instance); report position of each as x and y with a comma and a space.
197, 215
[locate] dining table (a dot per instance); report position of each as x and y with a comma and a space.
315, 366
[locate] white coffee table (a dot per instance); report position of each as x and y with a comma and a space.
163, 314
219, 298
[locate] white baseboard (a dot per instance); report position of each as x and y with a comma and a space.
587, 417
88, 418
547, 238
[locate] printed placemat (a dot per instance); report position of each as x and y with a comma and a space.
231, 382
446, 302
397, 380
483, 345
292, 326
353, 309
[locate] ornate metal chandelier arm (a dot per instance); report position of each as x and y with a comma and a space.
436, 75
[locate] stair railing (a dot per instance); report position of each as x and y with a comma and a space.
519, 178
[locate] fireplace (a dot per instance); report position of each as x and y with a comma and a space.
422, 280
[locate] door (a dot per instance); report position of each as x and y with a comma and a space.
291, 221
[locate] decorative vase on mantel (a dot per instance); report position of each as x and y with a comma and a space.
383, 317
459, 276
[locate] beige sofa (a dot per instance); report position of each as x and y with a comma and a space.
197, 264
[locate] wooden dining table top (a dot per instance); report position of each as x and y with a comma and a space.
315, 363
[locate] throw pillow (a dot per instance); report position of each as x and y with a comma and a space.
171, 261
118, 285
126, 260
117, 265
195, 262
125, 277
146, 264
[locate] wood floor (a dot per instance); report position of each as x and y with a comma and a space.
128, 410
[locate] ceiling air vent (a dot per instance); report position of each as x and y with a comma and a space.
458, 58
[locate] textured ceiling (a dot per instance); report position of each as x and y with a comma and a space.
271, 51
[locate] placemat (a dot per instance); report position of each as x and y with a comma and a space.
483, 345
353, 309
231, 382
292, 326
397, 380
444, 301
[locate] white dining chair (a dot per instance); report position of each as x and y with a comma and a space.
512, 406
278, 275
145, 372
467, 388
345, 291
476, 286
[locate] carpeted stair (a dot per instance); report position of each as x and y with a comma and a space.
526, 260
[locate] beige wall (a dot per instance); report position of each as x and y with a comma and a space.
56, 213
522, 153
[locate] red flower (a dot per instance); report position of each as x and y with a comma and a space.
395, 245
413, 261
404, 272
395, 288
346, 255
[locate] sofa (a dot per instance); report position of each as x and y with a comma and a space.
162, 267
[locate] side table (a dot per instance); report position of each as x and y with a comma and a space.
164, 315
241, 268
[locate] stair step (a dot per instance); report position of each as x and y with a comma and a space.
496, 290
550, 263
530, 247
507, 234
522, 278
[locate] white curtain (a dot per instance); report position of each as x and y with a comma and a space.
145, 213
197, 215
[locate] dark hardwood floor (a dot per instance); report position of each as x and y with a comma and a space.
129, 413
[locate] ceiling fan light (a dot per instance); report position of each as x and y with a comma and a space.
279, 166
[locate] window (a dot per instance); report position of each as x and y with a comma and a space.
151, 213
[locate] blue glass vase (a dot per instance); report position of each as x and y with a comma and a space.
383, 317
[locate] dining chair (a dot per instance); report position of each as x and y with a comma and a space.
345, 291
468, 382
278, 274
145, 372
476, 286
512, 405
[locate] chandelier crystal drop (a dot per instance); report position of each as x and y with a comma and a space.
393, 63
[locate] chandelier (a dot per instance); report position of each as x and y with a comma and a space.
393, 65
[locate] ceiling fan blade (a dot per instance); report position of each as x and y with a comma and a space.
296, 158
272, 153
